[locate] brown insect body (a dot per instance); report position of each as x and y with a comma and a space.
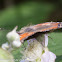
43, 27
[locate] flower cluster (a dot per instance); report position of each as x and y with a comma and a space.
14, 40
38, 51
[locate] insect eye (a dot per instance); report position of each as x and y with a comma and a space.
60, 25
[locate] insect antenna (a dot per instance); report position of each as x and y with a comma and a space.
52, 40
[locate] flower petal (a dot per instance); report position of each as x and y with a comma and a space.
46, 40
48, 57
24, 61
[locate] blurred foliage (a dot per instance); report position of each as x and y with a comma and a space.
5, 56
27, 13
55, 45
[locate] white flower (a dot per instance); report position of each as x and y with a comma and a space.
38, 52
33, 51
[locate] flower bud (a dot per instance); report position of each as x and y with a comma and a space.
16, 43
14, 38
13, 35
5, 46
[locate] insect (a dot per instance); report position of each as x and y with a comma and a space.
29, 31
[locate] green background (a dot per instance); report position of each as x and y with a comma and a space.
30, 13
